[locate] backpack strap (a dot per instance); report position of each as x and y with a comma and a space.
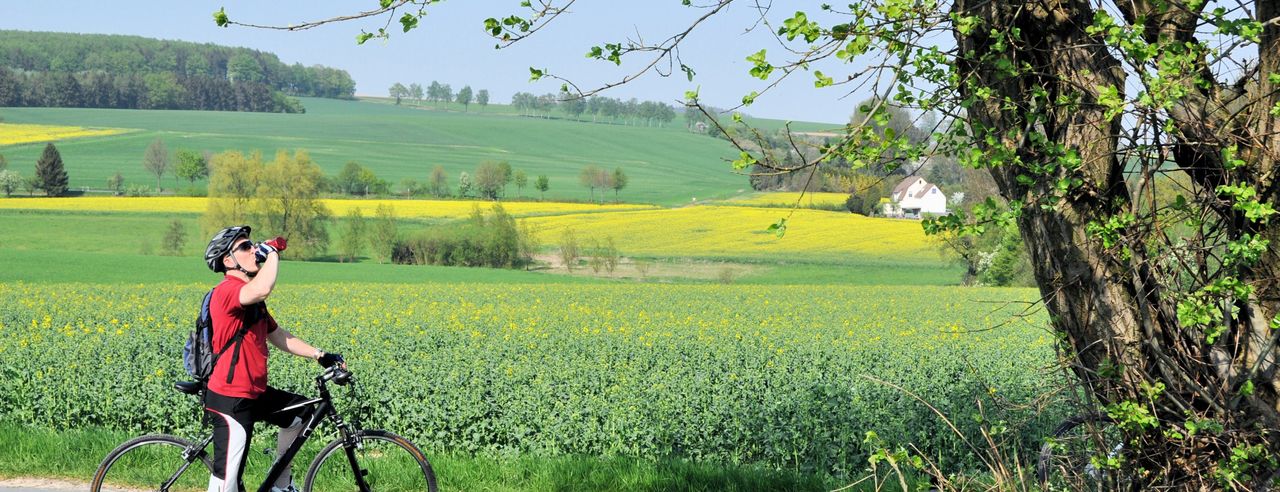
238, 339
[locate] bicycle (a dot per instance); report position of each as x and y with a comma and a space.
369, 459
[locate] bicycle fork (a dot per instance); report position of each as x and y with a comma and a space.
189, 456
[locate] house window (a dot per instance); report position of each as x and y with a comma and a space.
934, 191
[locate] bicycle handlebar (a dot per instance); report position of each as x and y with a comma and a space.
337, 374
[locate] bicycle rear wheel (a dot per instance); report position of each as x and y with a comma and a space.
152, 462
385, 461
1083, 454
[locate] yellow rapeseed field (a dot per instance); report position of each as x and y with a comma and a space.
429, 209
789, 199
727, 230
13, 133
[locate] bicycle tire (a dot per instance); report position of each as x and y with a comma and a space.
390, 463
1066, 460
139, 464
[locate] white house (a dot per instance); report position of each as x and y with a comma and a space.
914, 197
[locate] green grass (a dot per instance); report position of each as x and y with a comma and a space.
665, 165
125, 247
75, 455
855, 272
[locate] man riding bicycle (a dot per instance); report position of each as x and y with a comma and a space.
237, 393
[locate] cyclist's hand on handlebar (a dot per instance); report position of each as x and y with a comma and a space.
329, 359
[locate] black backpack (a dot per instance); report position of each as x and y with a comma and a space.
197, 355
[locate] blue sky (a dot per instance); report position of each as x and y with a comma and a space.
451, 47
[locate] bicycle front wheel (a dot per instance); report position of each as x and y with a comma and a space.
382, 460
152, 462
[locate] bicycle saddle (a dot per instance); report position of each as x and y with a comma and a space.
188, 387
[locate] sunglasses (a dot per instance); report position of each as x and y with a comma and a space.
245, 246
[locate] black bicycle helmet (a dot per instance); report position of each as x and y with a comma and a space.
220, 246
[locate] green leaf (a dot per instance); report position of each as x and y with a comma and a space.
688, 71
749, 98
409, 21
220, 17
534, 74
691, 97
823, 80
363, 36
779, 228
493, 26
761, 68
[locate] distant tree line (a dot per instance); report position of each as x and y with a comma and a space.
598, 108
438, 93
109, 71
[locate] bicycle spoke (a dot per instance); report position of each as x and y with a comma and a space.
151, 464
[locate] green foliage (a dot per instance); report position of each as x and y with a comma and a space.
355, 179
287, 203
483, 241
51, 175
175, 238
52, 70
191, 165
542, 184
1009, 263
385, 232
1244, 462
353, 236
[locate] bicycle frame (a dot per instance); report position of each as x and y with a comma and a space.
318, 409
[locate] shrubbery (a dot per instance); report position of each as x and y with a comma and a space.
481, 241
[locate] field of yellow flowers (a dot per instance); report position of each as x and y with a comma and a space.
12, 133
733, 231
779, 377
791, 199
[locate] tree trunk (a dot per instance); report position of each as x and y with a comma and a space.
1114, 303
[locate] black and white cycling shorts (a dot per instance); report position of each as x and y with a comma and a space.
233, 420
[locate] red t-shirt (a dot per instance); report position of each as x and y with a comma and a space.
228, 316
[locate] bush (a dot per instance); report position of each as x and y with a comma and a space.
138, 190
481, 241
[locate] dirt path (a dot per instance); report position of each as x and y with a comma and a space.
28, 484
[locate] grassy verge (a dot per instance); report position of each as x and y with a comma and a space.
75, 454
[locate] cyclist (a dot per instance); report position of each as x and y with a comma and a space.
237, 394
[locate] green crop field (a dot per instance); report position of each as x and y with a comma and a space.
665, 165
777, 377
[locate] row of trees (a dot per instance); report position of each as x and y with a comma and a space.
439, 93
607, 109
597, 178
45, 52
99, 89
